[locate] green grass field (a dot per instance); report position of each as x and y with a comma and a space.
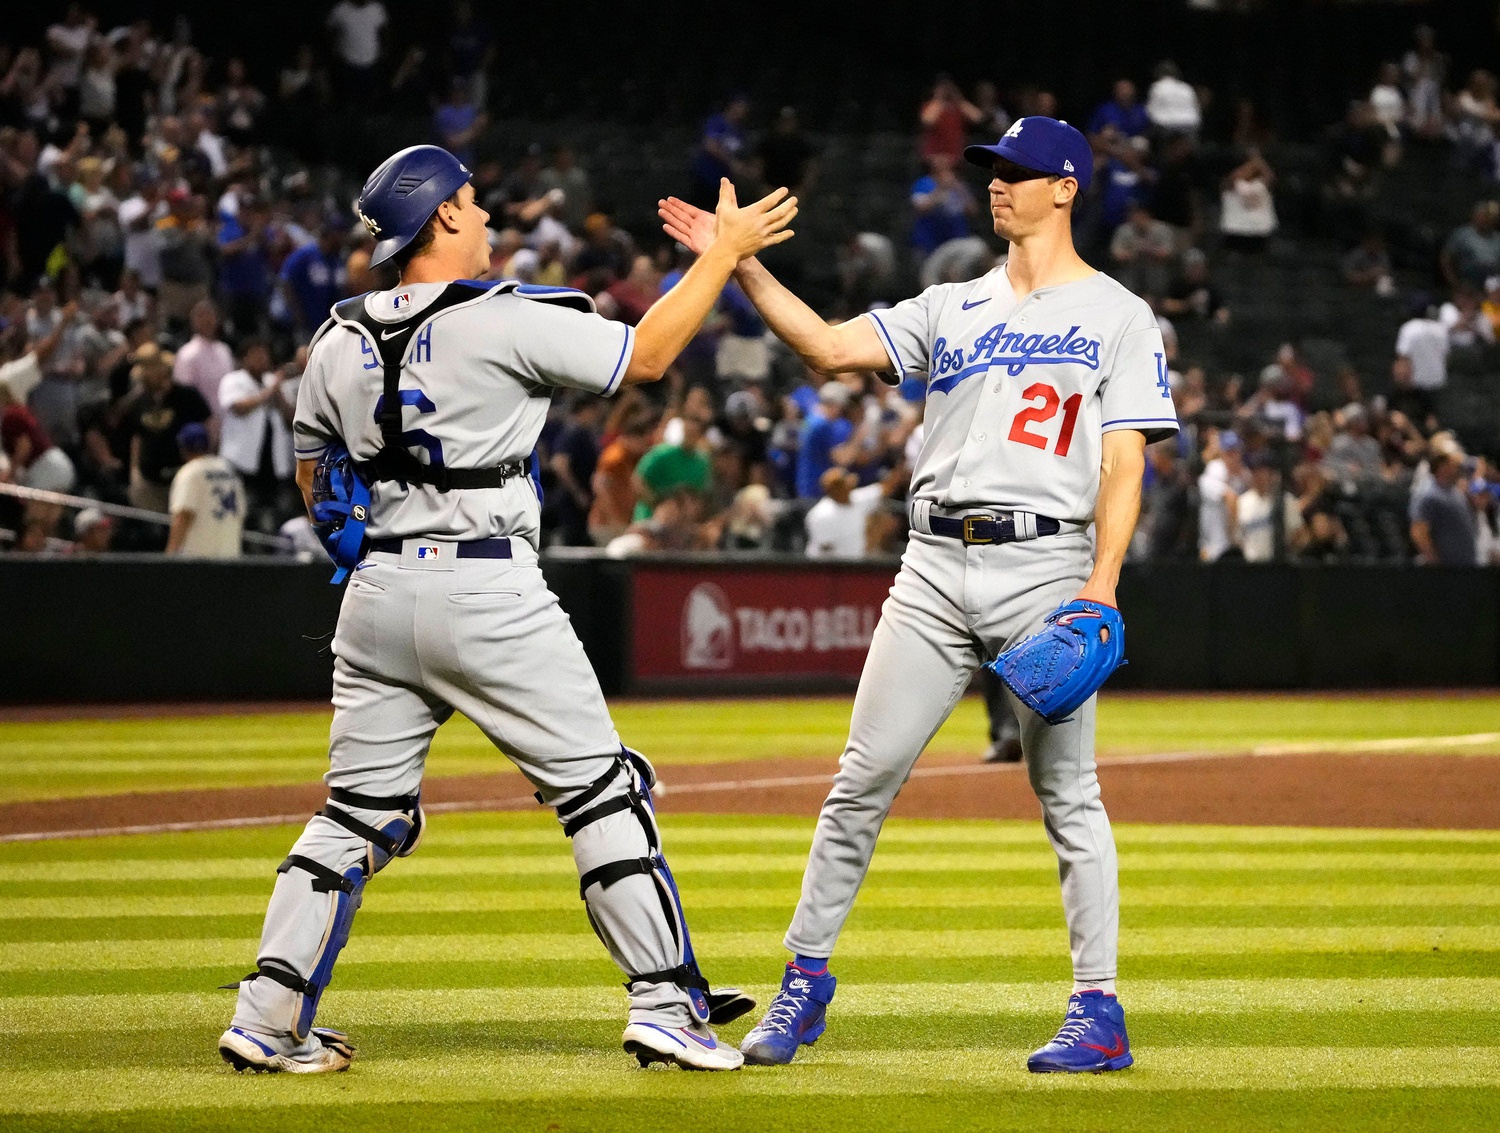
1273, 978
87, 757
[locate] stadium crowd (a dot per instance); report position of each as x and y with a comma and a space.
168, 246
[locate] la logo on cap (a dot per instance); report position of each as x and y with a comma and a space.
1015, 129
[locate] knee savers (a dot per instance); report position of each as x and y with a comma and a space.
395, 830
631, 779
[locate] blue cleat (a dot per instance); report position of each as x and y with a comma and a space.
796, 1016
1091, 1040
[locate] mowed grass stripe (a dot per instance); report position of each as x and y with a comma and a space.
480, 1076
378, 898
937, 944
67, 1014
731, 865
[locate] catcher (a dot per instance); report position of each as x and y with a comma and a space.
1045, 380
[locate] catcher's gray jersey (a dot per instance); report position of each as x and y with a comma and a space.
476, 381
1019, 393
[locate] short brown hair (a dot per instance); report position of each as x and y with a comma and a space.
421, 241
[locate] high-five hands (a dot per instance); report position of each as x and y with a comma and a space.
744, 231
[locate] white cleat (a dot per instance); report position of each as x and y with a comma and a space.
324, 1052
692, 1048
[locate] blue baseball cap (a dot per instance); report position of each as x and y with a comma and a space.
1044, 144
193, 437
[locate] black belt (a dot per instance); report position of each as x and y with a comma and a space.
496, 548
978, 530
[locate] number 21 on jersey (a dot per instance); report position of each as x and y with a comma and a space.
1043, 402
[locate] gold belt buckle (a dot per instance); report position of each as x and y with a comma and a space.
970, 522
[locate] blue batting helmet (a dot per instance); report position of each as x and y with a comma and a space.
403, 193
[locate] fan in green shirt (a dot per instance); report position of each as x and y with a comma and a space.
668, 468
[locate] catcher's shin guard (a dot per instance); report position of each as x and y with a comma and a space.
614, 899
319, 888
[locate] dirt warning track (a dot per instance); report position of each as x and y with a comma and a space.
1369, 789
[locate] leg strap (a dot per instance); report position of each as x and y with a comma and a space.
590, 793
277, 975
373, 802
603, 810
355, 826
325, 880
611, 872
684, 975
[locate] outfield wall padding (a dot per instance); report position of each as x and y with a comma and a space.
142, 628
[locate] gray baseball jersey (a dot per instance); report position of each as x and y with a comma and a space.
476, 380
1019, 393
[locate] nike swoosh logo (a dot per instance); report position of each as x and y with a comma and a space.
362, 566
969, 306
392, 334
706, 1045
1108, 1052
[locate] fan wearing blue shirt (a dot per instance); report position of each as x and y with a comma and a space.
310, 279
1123, 114
826, 429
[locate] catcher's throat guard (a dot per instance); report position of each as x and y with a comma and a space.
1060, 666
341, 509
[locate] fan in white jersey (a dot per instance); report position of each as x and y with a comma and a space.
447, 609
1045, 380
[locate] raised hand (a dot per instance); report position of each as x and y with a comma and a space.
740, 231
689, 225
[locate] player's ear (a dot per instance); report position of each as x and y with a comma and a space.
1064, 191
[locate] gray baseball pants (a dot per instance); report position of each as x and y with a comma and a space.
417, 639
952, 608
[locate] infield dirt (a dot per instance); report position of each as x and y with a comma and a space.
1430, 791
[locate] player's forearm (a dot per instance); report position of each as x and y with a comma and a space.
1115, 514
666, 329
795, 323
305, 482
177, 533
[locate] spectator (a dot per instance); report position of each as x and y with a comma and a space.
93, 532
187, 246
1443, 526
1165, 532
946, 117
786, 156
471, 51
356, 27
1369, 265
1465, 321
1425, 70
1254, 513
564, 175
720, 151
1223, 481
205, 358
242, 105
1192, 295
1471, 253
245, 250
634, 294
1476, 120
1247, 211
957, 261
33, 462
207, 501
1353, 458
838, 525
574, 459
1423, 342
742, 353
311, 281
943, 205
1171, 104
256, 435
829, 426
1275, 402
159, 409
1143, 250
459, 122
867, 269
1124, 180
1388, 102
613, 483
1122, 117
674, 467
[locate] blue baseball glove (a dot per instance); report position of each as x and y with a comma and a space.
341, 508
1060, 666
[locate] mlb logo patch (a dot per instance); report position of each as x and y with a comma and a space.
402, 301
426, 552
